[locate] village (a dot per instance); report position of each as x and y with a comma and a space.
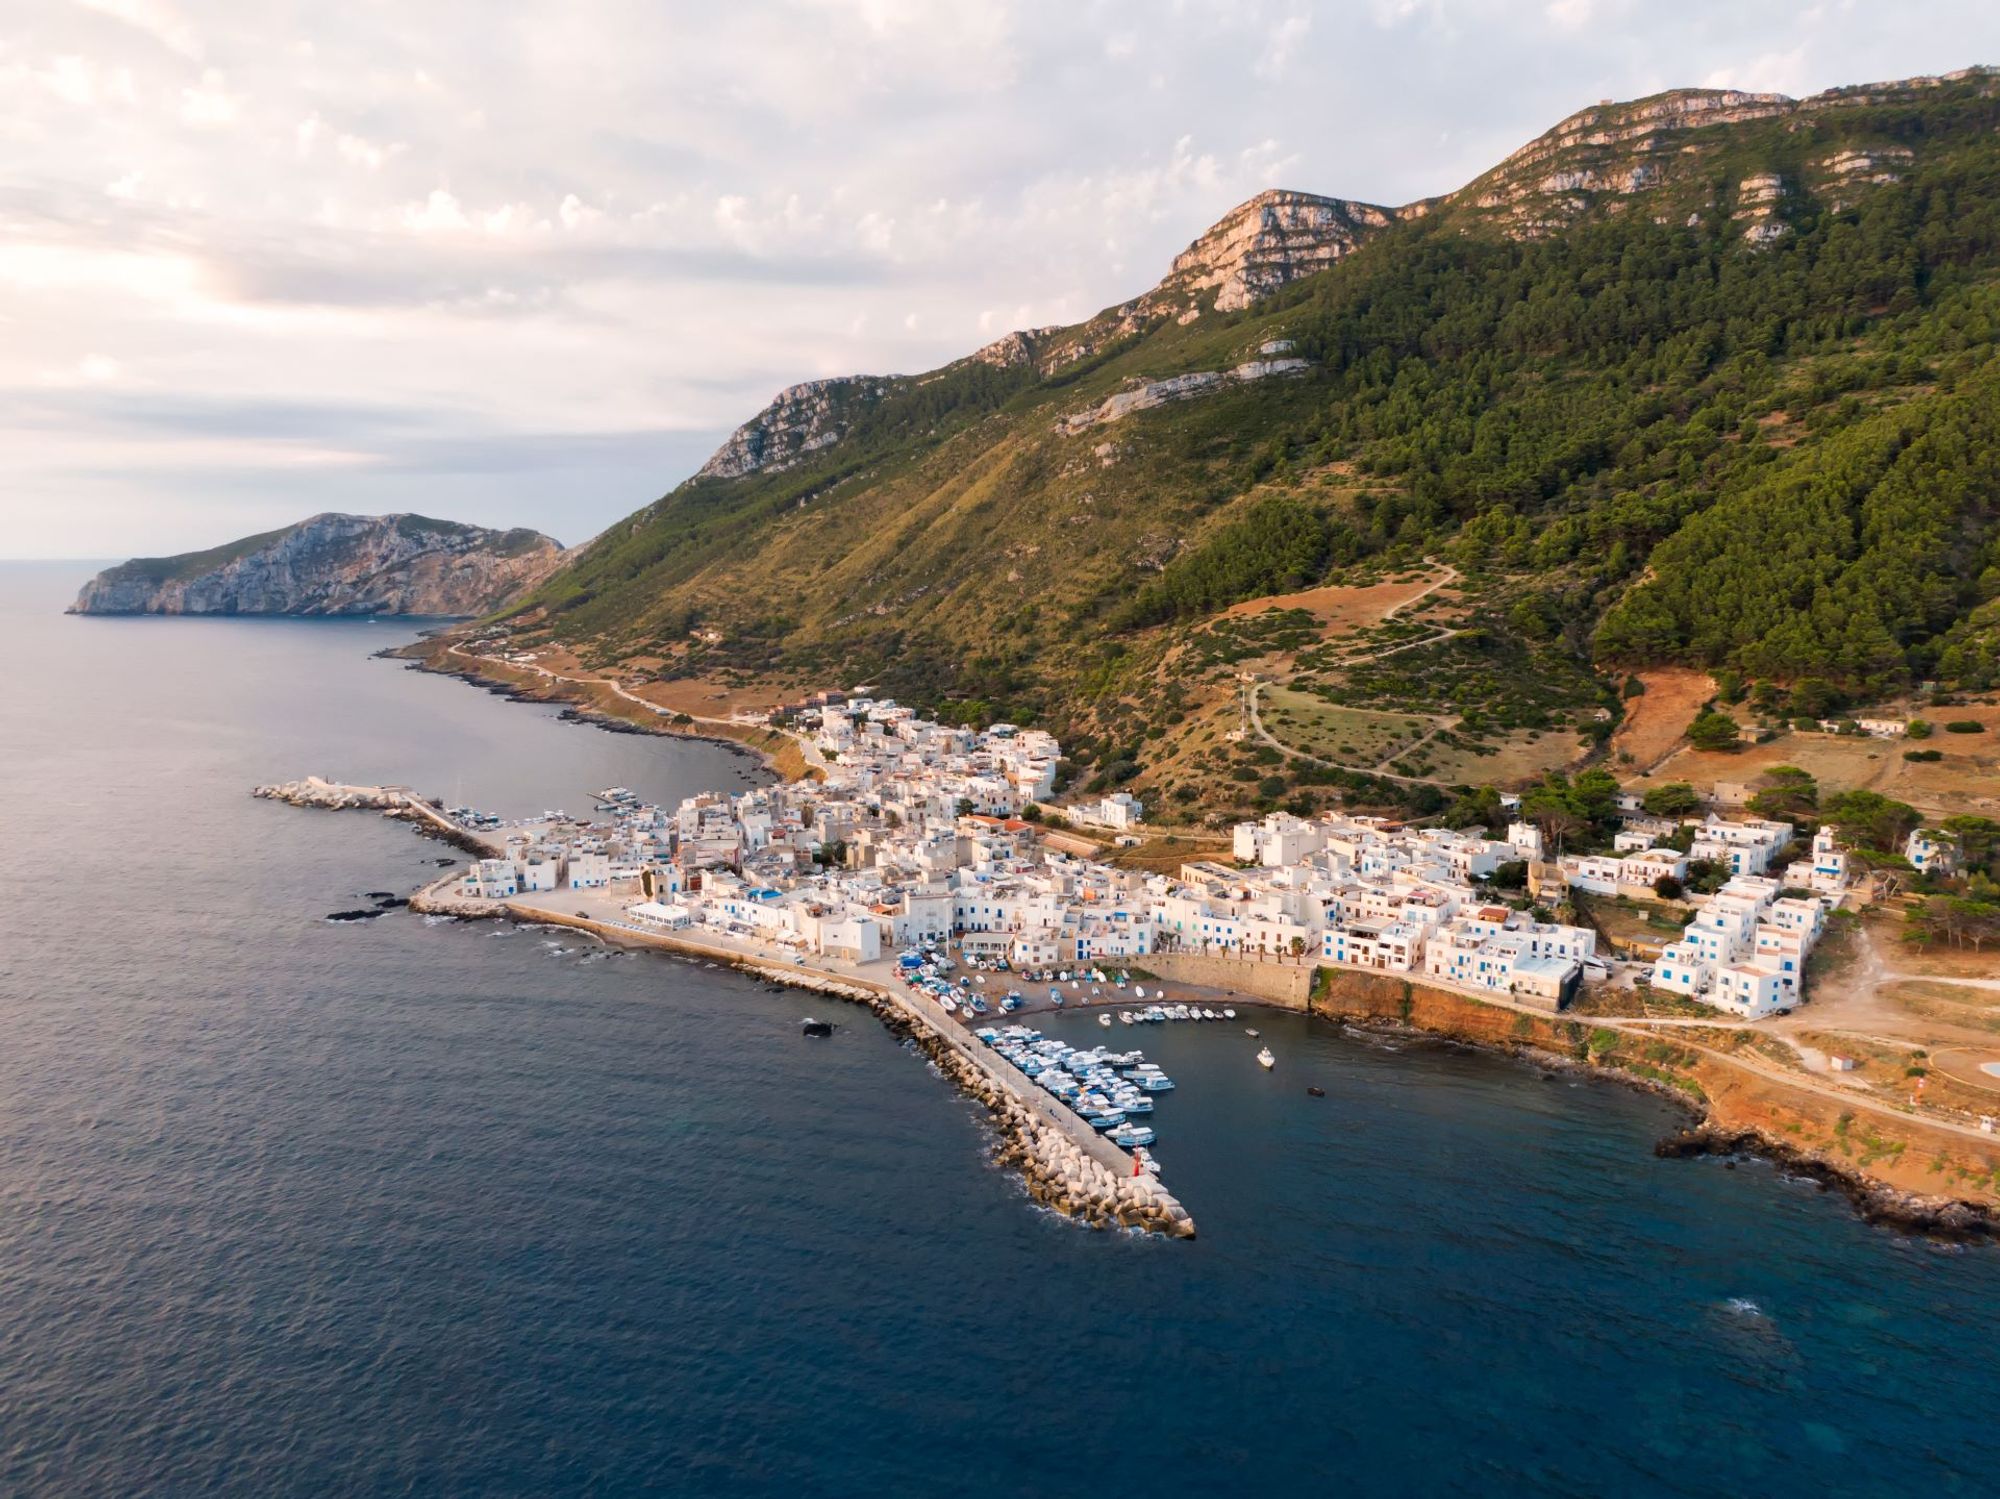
924, 835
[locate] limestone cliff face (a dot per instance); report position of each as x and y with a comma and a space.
798, 423
1259, 246
334, 564
1664, 153
1663, 156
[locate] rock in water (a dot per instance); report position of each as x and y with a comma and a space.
334, 564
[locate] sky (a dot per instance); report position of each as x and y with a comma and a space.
527, 264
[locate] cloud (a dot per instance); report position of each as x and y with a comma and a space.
209, 102
1284, 41
261, 259
1775, 72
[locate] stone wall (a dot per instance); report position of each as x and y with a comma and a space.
1286, 984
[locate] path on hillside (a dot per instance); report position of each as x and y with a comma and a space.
810, 750
1439, 723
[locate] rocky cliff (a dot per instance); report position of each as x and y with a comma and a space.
798, 423
334, 564
1259, 246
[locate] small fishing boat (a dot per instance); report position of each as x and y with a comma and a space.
1104, 1020
1228, 1014
1265, 1059
814, 1027
1251, 1030
1316, 1092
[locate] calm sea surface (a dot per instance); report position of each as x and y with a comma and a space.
289, 1207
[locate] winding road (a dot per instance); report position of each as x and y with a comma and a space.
813, 757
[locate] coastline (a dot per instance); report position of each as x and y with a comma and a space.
1726, 1118
1064, 1164
592, 704
1072, 1174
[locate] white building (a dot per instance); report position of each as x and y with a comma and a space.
1931, 852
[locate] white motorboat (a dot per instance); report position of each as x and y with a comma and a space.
1104, 1020
1228, 1014
1251, 1030
1265, 1059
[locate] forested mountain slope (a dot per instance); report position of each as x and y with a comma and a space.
1708, 378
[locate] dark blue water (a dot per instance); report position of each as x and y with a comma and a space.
391, 1208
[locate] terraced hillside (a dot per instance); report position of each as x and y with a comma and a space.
1707, 380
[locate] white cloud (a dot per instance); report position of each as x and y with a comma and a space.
361, 152
156, 19
1284, 40
618, 228
1774, 72
210, 102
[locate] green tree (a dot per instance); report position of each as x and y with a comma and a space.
1712, 730
1870, 820
1674, 799
1788, 794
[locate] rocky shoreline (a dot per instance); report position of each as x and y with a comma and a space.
571, 712
1947, 1218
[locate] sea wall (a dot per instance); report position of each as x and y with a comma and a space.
1285, 984
1064, 1163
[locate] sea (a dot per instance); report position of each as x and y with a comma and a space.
399, 1207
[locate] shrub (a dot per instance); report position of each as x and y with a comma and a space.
1919, 728
1667, 887
1923, 755
1965, 726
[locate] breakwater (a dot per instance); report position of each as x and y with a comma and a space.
391, 801
1065, 1164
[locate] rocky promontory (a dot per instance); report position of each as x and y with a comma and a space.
335, 565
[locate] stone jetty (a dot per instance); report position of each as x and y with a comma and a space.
391, 801
316, 791
1066, 1165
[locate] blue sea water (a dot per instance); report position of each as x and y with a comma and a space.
390, 1208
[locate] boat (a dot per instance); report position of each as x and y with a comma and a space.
1228, 1014
1104, 1020
1133, 1135
1316, 1092
1125, 1016
814, 1027
1251, 1030
1266, 1060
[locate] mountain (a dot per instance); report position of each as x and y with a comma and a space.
334, 564
1702, 380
